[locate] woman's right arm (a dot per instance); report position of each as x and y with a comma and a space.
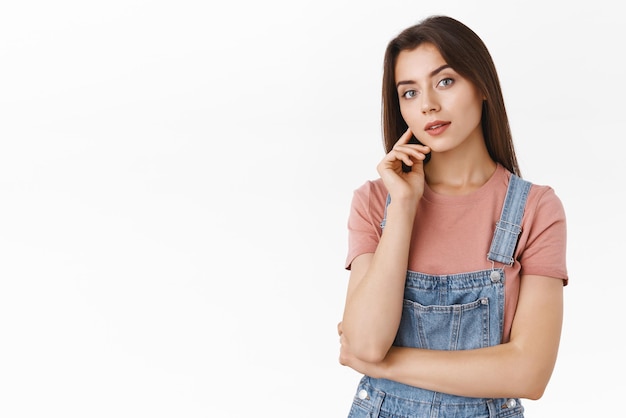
376, 288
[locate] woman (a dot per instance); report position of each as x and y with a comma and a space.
457, 266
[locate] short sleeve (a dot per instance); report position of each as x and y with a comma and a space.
544, 252
366, 213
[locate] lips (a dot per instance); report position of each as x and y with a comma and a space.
436, 127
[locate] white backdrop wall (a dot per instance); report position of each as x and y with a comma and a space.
175, 180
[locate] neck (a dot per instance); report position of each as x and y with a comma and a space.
459, 175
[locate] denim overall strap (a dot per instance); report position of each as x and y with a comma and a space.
509, 226
384, 221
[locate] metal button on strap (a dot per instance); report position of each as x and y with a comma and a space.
363, 394
495, 276
510, 403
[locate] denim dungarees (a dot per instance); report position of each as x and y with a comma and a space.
451, 312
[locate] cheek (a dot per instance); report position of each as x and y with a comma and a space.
403, 111
477, 105
478, 110
473, 108
408, 115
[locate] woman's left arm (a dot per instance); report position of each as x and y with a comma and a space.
520, 368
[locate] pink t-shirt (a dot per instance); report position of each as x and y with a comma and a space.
452, 234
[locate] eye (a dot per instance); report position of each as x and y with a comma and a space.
409, 94
446, 82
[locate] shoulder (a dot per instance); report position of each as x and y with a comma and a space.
544, 216
371, 187
368, 206
543, 200
371, 191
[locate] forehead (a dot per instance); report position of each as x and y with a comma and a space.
418, 62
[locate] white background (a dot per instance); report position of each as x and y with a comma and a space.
175, 180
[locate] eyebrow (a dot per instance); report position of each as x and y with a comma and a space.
432, 74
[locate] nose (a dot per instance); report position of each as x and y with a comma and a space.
429, 102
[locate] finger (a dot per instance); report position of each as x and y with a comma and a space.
405, 138
424, 149
406, 154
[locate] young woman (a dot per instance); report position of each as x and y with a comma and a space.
457, 265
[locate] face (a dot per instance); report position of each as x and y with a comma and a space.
442, 108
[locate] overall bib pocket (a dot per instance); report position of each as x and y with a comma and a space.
452, 327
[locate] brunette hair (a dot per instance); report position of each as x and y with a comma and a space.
467, 54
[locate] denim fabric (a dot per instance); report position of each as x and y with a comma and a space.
508, 227
377, 403
450, 312
384, 221
456, 312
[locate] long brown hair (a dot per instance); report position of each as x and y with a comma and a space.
467, 54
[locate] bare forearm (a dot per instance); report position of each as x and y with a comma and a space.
498, 371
